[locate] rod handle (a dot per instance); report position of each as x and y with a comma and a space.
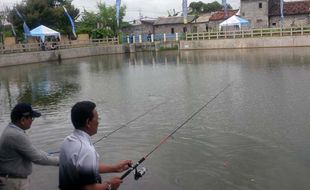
132, 168
126, 173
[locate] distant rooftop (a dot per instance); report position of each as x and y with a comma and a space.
173, 20
203, 18
220, 15
290, 8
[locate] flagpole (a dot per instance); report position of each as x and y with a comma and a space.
282, 13
118, 7
224, 3
184, 5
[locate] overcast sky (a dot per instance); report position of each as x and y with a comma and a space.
149, 8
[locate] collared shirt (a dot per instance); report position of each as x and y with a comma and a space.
79, 162
17, 153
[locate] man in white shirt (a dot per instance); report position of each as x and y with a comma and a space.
79, 162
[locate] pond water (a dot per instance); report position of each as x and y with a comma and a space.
254, 135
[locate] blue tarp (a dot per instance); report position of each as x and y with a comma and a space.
42, 31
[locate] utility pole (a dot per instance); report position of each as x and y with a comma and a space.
2, 21
140, 14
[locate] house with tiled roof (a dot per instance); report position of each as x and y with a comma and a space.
202, 22
295, 14
139, 27
266, 13
173, 24
219, 16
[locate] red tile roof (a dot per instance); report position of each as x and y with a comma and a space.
220, 15
290, 8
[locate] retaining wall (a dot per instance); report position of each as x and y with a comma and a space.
264, 42
56, 55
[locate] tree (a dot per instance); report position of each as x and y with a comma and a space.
200, 7
103, 23
46, 12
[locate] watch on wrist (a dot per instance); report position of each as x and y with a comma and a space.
109, 186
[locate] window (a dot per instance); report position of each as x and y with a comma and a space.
243, 14
274, 24
259, 20
260, 5
184, 29
172, 30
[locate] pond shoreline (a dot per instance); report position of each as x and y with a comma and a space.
238, 43
58, 55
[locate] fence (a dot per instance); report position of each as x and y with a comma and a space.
152, 38
31, 47
254, 33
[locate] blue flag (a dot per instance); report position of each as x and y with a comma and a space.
118, 6
19, 15
184, 7
13, 30
71, 21
25, 27
281, 8
224, 3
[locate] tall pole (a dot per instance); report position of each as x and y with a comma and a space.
224, 3
282, 13
1, 36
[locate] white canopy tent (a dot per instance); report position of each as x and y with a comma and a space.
234, 21
42, 31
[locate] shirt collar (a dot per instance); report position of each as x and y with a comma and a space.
83, 135
16, 127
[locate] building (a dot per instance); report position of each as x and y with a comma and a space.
140, 27
266, 13
256, 11
218, 17
175, 24
201, 23
295, 14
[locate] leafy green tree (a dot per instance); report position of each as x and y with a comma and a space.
200, 7
103, 23
46, 12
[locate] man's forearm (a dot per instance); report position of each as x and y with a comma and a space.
105, 168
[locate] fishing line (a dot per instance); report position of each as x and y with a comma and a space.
122, 126
133, 120
140, 173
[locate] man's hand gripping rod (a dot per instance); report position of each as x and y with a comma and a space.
140, 173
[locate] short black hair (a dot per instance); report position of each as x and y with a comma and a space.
80, 112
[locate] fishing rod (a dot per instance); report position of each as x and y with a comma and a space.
138, 173
122, 126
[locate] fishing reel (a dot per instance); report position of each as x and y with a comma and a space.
138, 173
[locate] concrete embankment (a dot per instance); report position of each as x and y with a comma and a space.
263, 42
58, 55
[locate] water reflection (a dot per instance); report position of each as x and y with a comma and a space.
40, 85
